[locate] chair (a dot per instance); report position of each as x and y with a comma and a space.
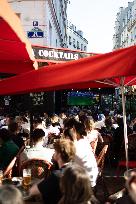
39, 168
8, 171
101, 158
13, 165
94, 145
107, 139
101, 180
131, 154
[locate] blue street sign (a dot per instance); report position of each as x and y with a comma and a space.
35, 34
35, 23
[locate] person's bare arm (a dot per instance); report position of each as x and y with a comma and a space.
34, 190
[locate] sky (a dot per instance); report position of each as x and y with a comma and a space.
96, 18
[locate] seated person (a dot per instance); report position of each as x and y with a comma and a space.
84, 153
130, 194
67, 134
8, 149
37, 150
108, 129
6, 121
15, 135
95, 135
118, 138
38, 124
54, 127
75, 186
49, 188
10, 194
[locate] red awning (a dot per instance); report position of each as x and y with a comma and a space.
15, 50
103, 70
14, 57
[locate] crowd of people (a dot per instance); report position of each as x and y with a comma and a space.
70, 142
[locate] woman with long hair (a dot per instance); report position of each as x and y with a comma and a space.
75, 186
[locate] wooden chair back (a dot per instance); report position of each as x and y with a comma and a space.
107, 139
8, 171
14, 163
101, 158
39, 168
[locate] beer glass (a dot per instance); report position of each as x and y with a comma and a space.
1, 176
26, 178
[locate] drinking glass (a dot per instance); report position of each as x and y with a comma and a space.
1, 176
26, 178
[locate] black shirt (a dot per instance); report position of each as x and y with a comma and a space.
18, 140
126, 199
50, 189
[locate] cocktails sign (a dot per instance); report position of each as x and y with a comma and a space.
51, 54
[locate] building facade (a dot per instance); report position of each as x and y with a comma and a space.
45, 24
125, 27
44, 21
75, 39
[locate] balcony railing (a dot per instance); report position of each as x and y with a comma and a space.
53, 12
131, 24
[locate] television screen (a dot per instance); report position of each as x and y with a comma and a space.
81, 98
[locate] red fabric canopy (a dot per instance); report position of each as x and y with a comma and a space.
14, 58
83, 73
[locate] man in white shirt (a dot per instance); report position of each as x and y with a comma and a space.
37, 151
84, 154
85, 158
37, 124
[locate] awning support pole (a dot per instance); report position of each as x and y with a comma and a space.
124, 120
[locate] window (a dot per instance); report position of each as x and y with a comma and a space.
127, 38
123, 22
71, 26
55, 3
84, 48
74, 43
50, 34
131, 36
135, 32
70, 41
81, 46
56, 43
78, 47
